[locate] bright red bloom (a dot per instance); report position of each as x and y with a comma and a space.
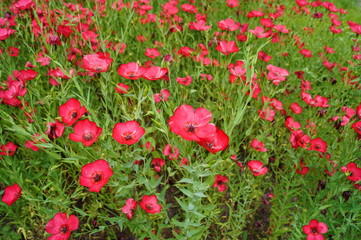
356, 28
291, 124
171, 152
23, 4
97, 63
257, 168
55, 129
122, 88
357, 127
95, 175
276, 74
259, 32
190, 124
258, 146
229, 25
304, 169
232, 3
61, 226
86, 132
264, 56
315, 229
226, 47
150, 204
158, 163
11, 194
71, 111
5, 33
162, 96
8, 149
184, 81
129, 208
358, 111
131, 70
189, 8
35, 139
220, 183
218, 142
305, 52
199, 26
318, 144
152, 53
267, 114
154, 73
128, 133
185, 51
353, 172
296, 108
255, 13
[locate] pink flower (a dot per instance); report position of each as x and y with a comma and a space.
257, 168
129, 208
217, 142
226, 47
97, 63
258, 146
61, 226
171, 152
71, 111
95, 175
86, 132
128, 133
276, 74
158, 163
8, 149
150, 204
152, 53
11, 194
220, 183
315, 229
122, 88
184, 81
162, 96
190, 124
131, 70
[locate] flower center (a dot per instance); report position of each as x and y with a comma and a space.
190, 128
88, 136
149, 207
73, 114
64, 229
97, 177
314, 230
128, 136
131, 74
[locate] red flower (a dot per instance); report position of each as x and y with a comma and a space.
267, 114
35, 139
258, 146
199, 26
229, 25
97, 63
318, 144
162, 96
315, 229
86, 132
129, 208
71, 111
356, 28
257, 168
8, 149
95, 175
226, 47
122, 88
150, 204
158, 164
220, 183
218, 142
192, 125
154, 73
55, 129
5, 33
184, 81
296, 108
152, 53
61, 226
171, 152
357, 127
304, 169
276, 74
11, 194
128, 133
131, 70
264, 56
